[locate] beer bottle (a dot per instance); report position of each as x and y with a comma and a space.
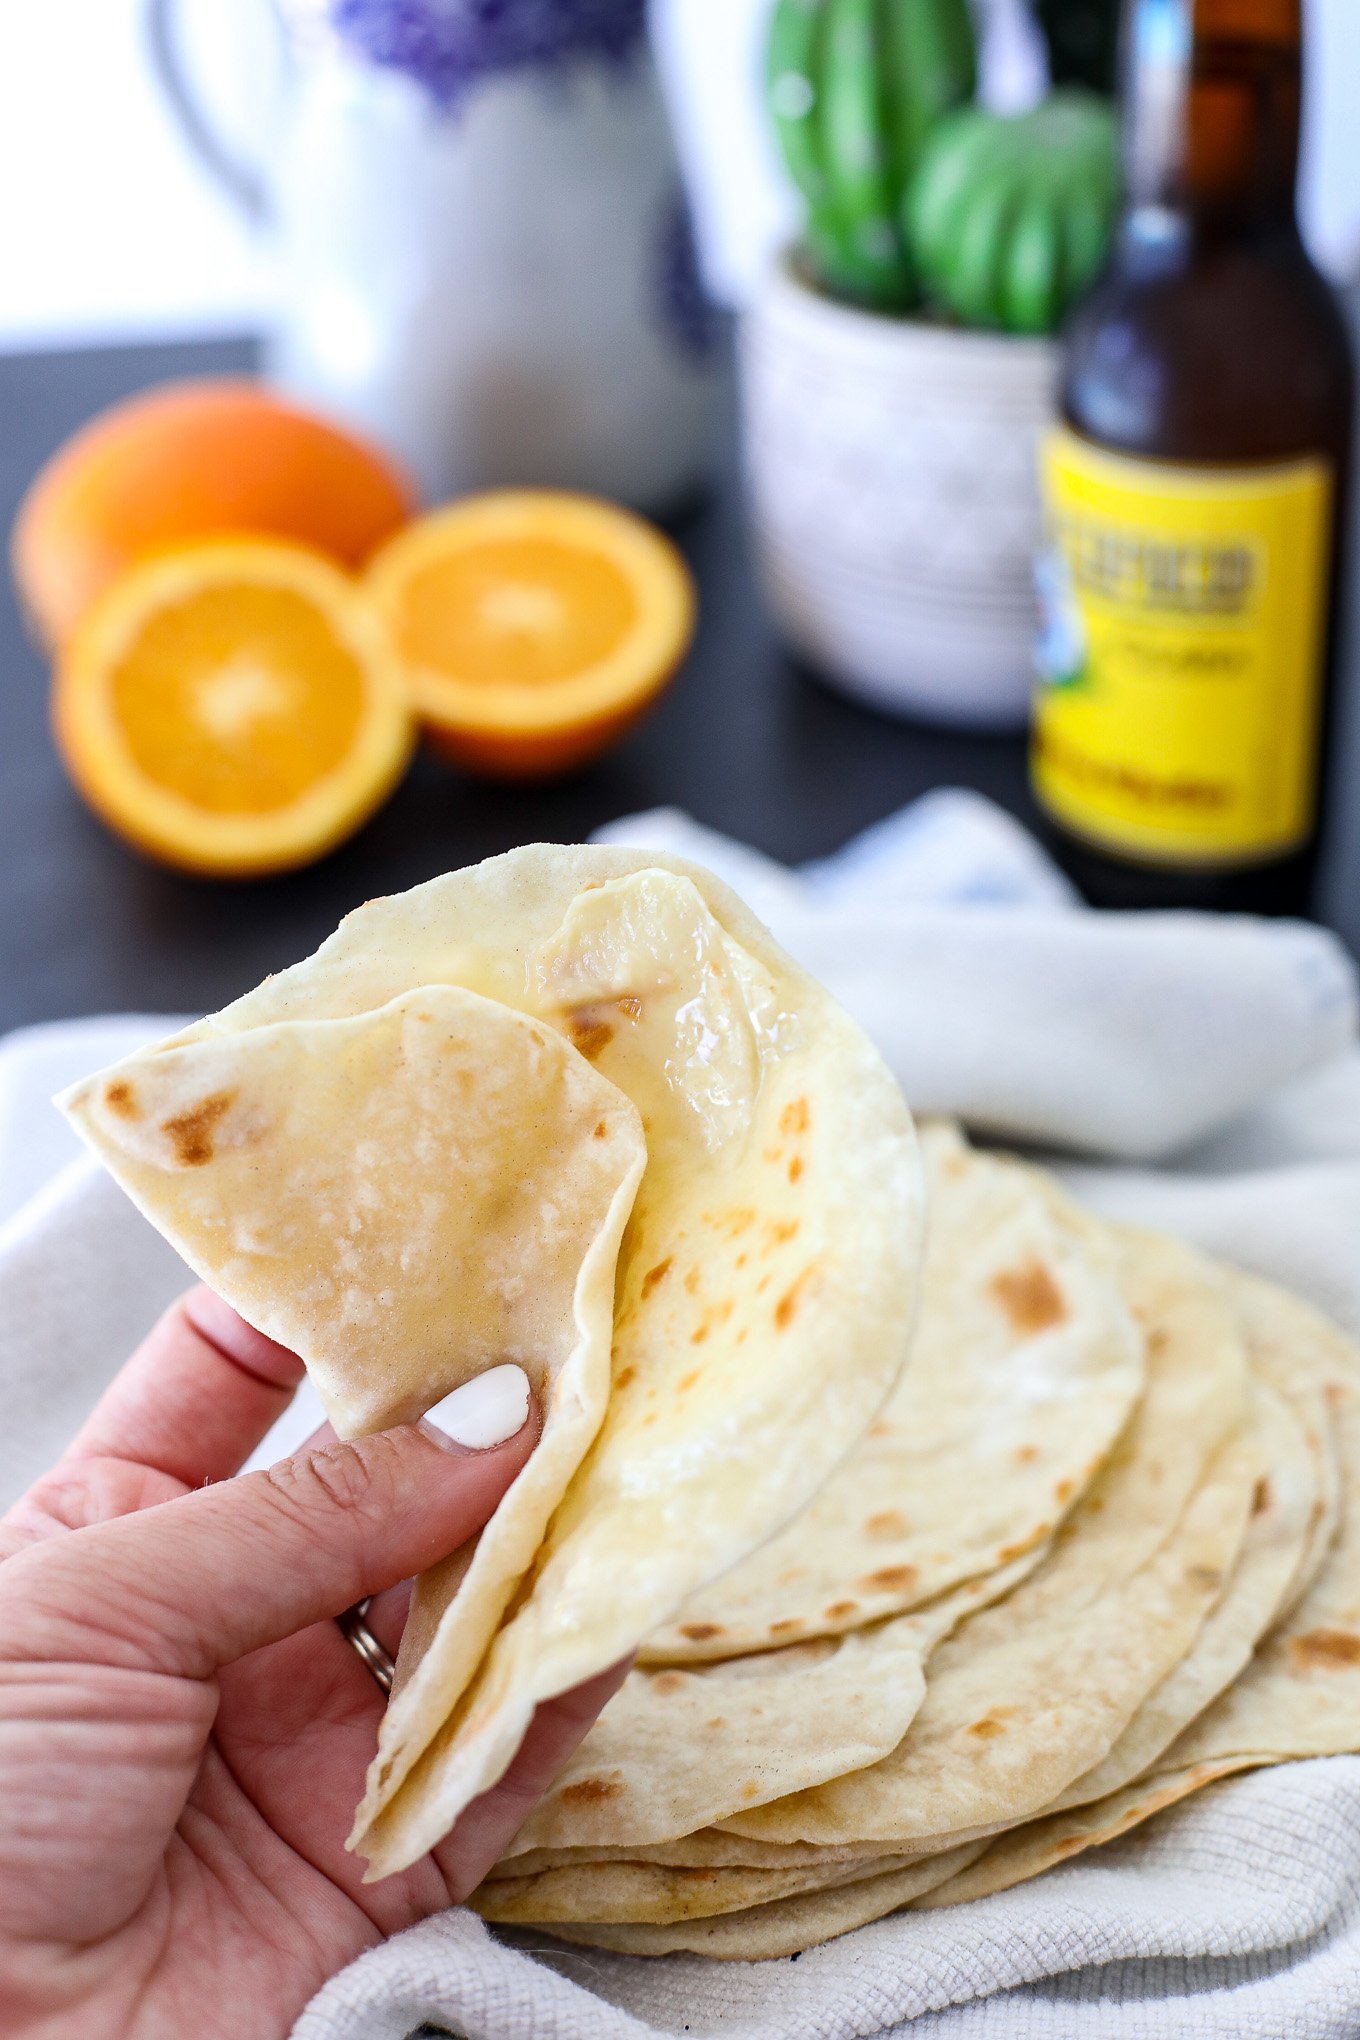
1194, 491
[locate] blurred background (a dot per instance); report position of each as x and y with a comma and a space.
790, 297
126, 234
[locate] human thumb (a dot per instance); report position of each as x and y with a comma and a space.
192, 1584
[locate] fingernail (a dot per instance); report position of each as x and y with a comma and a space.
483, 1412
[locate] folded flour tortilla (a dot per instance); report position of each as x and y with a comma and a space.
572, 1108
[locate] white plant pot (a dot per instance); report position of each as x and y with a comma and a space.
893, 476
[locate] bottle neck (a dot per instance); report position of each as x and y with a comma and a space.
1211, 115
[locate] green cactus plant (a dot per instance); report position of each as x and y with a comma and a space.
1009, 219
855, 89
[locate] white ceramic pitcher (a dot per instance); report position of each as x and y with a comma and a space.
484, 252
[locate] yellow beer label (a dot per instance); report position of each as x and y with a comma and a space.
1180, 657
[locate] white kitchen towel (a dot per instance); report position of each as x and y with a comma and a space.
1222, 1050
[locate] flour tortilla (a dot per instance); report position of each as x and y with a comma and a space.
708, 1849
1281, 1510
1026, 1367
680, 1748
585, 1892
1073, 1628
765, 1285
1276, 1536
1295, 1351
1027, 1361
646, 1894
1288, 1345
1034, 1692
787, 1927
1300, 1695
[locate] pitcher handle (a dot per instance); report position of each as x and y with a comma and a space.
241, 180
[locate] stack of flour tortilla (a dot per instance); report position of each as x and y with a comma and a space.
953, 1531
1101, 1548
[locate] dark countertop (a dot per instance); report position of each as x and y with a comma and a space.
746, 741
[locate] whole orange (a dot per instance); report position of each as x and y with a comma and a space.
186, 461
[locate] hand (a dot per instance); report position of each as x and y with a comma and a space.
183, 1730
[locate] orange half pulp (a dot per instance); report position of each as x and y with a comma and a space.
533, 626
233, 707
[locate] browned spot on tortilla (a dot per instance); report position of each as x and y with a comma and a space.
1157, 1339
631, 1007
1261, 1496
1326, 1649
1025, 1455
782, 1628
988, 1727
839, 1610
717, 1722
700, 1632
1030, 1298
121, 1099
887, 1523
192, 1132
891, 1579
880, 1430
683, 1387
795, 1168
692, 1282
794, 1117
1010, 1551
737, 1221
774, 1154
781, 1229
1070, 1843
1335, 1394
1063, 1491
655, 1275
742, 1260
697, 1337
591, 1791
600, 1131
749, 1792
668, 1682
1207, 1576
624, 1376
787, 1307
589, 1034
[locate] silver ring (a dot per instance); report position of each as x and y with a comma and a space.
357, 1633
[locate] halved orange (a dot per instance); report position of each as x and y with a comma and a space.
533, 626
233, 708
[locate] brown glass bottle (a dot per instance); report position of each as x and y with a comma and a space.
1210, 364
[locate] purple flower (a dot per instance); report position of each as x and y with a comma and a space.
449, 45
